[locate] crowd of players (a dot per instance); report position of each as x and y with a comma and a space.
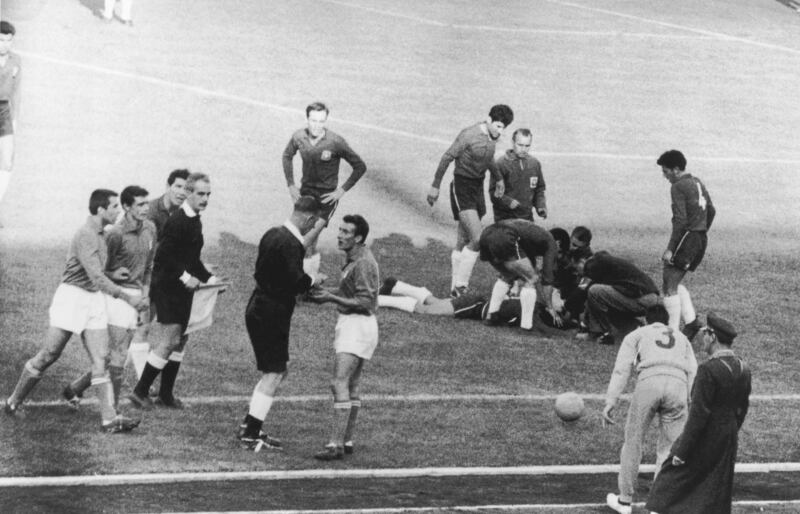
131, 277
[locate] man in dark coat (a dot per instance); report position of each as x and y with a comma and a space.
698, 475
279, 279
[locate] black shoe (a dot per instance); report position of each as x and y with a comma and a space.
692, 329
605, 338
388, 285
140, 402
260, 442
349, 449
120, 424
330, 453
168, 403
74, 400
492, 320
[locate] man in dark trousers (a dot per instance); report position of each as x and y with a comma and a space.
279, 279
618, 293
177, 273
698, 475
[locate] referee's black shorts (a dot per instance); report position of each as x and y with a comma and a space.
268, 321
467, 194
170, 302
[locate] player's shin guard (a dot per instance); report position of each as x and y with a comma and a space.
27, 381
81, 384
138, 353
169, 374
355, 407
105, 395
311, 265
455, 260
5, 178
687, 308
527, 300
673, 306
404, 289
465, 265
341, 415
403, 303
151, 371
499, 292
115, 373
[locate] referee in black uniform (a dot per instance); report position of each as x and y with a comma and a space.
177, 273
279, 279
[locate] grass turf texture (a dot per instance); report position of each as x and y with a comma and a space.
418, 354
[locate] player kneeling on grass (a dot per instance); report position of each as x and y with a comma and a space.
512, 248
79, 308
131, 246
356, 336
665, 366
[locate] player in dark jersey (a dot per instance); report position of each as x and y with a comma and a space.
10, 79
401, 295
692, 215
473, 153
322, 151
512, 248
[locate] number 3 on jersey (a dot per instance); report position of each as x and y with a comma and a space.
669, 343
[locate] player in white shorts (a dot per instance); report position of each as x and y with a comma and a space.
131, 246
356, 331
78, 307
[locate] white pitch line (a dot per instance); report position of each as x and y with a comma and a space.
704, 32
419, 398
367, 126
482, 508
380, 473
519, 30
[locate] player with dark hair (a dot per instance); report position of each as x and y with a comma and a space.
618, 292
512, 248
665, 367
177, 273
697, 477
581, 237
78, 307
356, 337
473, 153
692, 215
10, 89
279, 279
131, 247
322, 151
523, 179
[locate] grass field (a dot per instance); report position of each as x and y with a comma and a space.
605, 86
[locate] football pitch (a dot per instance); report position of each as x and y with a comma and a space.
605, 86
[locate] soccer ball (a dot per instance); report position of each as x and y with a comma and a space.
569, 406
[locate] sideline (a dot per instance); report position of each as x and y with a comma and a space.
211, 400
221, 95
312, 474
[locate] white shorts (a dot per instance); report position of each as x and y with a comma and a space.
356, 334
75, 309
121, 313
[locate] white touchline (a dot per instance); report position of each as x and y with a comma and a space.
387, 473
392, 398
200, 91
704, 32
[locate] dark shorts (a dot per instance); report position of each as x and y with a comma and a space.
6, 126
171, 303
467, 194
326, 210
690, 251
469, 306
268, 323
